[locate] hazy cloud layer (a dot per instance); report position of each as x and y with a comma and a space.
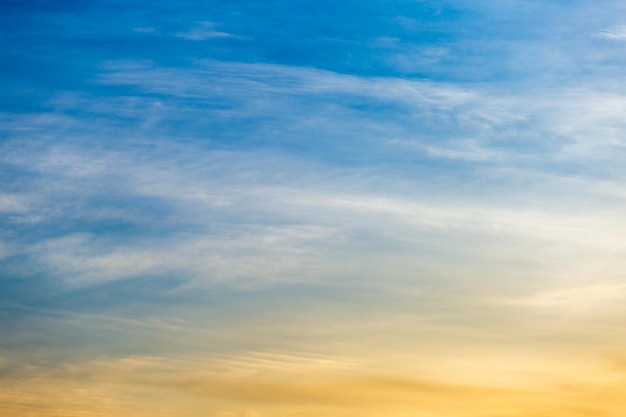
297, 208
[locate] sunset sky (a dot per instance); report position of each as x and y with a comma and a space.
297, 208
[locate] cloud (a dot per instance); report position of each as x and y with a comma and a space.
13, 203
280, 79
172, 213
291, 227
576, 298
462, 150
257, 255
316, 385
564, 123
617, 33
159, 385
203, 31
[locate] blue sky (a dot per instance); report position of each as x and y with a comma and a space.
347, 186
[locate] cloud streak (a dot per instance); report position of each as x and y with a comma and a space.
615, 34
274, 394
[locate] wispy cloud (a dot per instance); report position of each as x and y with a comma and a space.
617, 33
254, 79
576, 298
260, 255
188, 384
581, 121
142, 205
199, 236
203, 31
262, 209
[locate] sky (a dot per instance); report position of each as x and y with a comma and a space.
398, 208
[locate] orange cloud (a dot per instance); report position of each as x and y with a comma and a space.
160, 387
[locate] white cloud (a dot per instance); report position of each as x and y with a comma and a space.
282, 210
243, 217
203, 31
13, 203
254, 79
574, 298
275, 226
617, 33
248, 256
463, 149
583, 122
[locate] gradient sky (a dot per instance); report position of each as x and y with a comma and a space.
296, 208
